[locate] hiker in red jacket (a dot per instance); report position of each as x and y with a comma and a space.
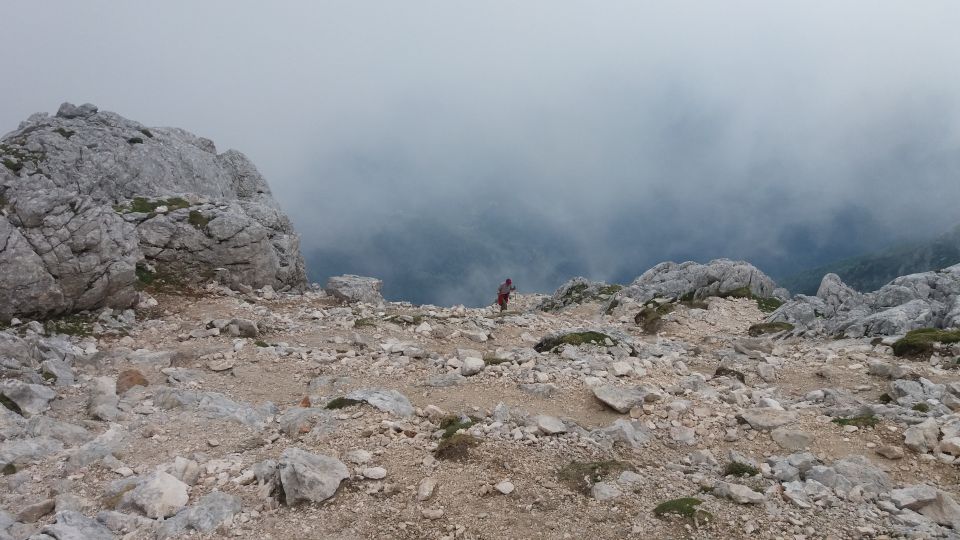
503, 293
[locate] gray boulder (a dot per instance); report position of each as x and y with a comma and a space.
767, 418
690, 279
389, 401
309, 477
351, 288
618, 398
76, 526
87, 194
159, 495
577, 291
211, 511
28, 399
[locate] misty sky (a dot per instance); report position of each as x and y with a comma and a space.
445, 145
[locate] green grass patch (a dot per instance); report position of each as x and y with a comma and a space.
650, 317
866, 420
742, 292
922, 407
144, 205
364, 322
573, 338
769, 305
71, 325
920, 342
14, 166
456, 447
9, 404
147, 132
610, 290
580, 476
135, 140
495, 361
885, 398
684, 507
769, 328
341, 402
65, 133
452, 424
694, 304
198, 220
9, 469
261, 343
740, 469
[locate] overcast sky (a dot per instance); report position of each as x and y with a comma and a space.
788, 133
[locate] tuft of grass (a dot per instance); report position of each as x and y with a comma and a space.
135, 140
727, 372
261, 343
922, 407
341, 402
740, 469
198, 220
495, 361
65, 133
71, 325
769, 328
683, 507
742, 292
146, 132
144, 276
769, 305
580, 476
14, 166
649, 318
920, 343
452, 424
610, 290
456, 447
366, 321
859, 421
9, 469
885, 398
573, 338
9, 404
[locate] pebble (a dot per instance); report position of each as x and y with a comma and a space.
505, 487
375, 473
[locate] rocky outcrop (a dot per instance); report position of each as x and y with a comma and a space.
577, 291
925, 300
695, 281
87, 195
350, 288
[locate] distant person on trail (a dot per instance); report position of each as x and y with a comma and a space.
503, 293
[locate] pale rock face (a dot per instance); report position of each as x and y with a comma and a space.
310, 477
160, 495
71, 240
672, 280
927, 299
350, 288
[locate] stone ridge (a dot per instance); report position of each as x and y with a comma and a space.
87, 195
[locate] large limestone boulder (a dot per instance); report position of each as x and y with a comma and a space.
351, 288
309, 477
577, 291
86, 195
694, 280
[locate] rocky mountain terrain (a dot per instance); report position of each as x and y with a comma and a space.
165, 373
90, 201
871, 271
333, 414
